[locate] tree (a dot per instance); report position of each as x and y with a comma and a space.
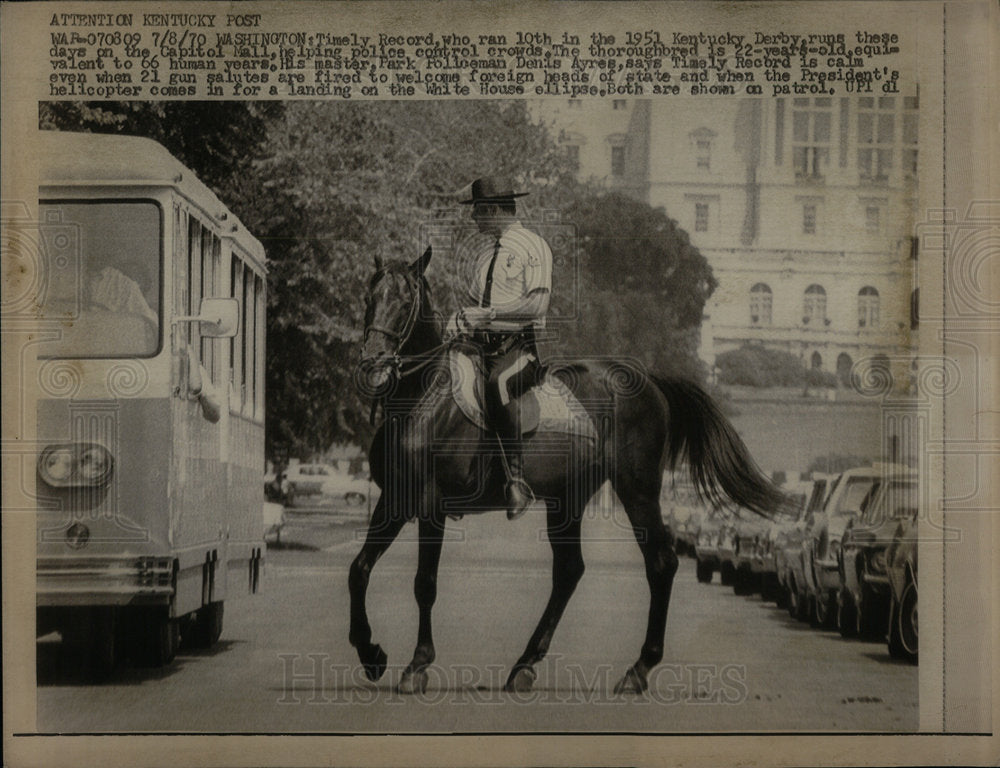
643, 286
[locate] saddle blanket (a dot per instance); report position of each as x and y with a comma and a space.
557, 407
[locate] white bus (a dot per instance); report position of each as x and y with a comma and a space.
150, 409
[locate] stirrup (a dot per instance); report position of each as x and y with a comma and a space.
517, 507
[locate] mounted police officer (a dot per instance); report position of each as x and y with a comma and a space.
510, 284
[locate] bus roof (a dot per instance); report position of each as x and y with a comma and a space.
77, 159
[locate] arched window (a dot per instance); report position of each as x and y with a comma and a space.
844, 365
868, 308
760, 304
816, 361
814, 306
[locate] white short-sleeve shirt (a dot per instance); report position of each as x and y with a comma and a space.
524, 264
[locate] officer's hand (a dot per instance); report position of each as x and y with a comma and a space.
456, 326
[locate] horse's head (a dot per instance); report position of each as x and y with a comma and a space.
393, 307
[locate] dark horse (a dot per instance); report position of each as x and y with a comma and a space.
421, 459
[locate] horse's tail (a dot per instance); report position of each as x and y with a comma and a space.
720, 464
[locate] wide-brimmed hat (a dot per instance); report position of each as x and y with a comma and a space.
492, 189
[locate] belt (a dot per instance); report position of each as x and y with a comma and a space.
500, 342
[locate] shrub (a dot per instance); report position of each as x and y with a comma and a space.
760, 367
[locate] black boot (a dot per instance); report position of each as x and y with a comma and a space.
519, 493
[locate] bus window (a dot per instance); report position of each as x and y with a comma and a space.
194, 276
236, 342
258, 284
209, 280
106, 296
248, 327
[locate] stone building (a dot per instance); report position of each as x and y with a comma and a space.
804, 207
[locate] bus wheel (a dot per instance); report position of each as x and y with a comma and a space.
157, 637
105, 641
208, 625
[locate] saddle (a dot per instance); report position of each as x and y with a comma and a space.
549, 406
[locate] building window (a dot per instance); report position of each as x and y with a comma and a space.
704, 153
701, 217
618, 161
760, 304
868, 302
876, 137
873, 219
811, 120
844, 366
814, 306
910, 106
809, 219
619, 104
573, 156
816, 361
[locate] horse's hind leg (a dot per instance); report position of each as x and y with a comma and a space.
414, 678
382, 531
641, 497
567, 568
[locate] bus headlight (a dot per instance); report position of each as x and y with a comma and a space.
56, 466
83, 464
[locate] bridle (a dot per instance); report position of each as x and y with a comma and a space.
402, 336
399, 338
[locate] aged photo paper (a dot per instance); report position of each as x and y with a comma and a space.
208, 210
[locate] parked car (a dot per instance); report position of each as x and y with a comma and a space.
901, 560
863, 599
682, 511
339, 489
775, 533
746, 565
274, 520
789, 551
821, 548
727, 550
706, 548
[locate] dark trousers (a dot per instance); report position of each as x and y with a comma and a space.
501, 353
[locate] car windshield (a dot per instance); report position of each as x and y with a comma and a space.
102, 268
898, 499
854, 493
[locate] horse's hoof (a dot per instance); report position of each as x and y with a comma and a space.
414, 681
521, 680
374, 660
632, 684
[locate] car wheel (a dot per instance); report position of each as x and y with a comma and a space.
703, 571
781, 596
870, 622
727, 574
846, 614
905, 625
824, 613
792, 598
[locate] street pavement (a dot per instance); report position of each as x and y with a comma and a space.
284, 664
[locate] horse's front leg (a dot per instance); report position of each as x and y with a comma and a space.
385, 525
567, 569
414, 678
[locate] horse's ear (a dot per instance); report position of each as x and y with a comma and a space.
378, 263
420, 265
